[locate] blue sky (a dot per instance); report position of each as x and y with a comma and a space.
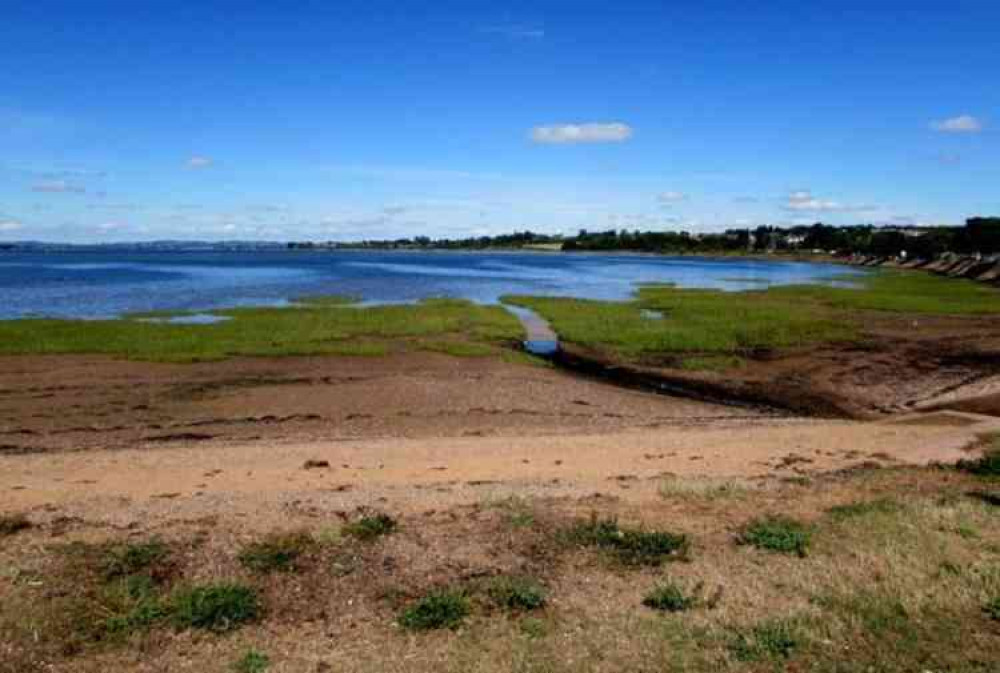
342, 120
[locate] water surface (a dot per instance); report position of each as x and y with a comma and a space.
108, 284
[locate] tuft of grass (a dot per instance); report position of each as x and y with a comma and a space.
438, 610
987, 465
670, 597
516, 593
519, 510
774, 639
702, 488
778, 534
13, 523
134, 605
215, 607
631, 546
864, 508
459, 349
992, 609
131, 558
252, 661
371, 526
277, 553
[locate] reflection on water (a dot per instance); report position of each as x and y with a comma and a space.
106, 284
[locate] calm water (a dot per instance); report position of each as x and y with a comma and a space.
97, 285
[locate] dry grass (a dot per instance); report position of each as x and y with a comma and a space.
903, 574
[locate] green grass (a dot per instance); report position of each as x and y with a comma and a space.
714, 330
438, 610
516, 593
277, 553
992, 609
371, 526
774, 639
252, 662
987, 465
313, 328
630, 546
215, 607
864, 508
669, 596
132, 557
132, 605
778, 534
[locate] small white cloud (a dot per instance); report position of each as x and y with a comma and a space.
9, 225
57, 187
111, 226
960, 124
564, 134
671, 197
196, 162
802, 200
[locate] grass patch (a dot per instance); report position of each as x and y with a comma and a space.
519, 510
774, 639
987, 465
516, 593
669, 596
438, 610
317, 327
461, 349
133, 605
215, 607
130, 558
778, 534
629, 545
714, 330
864, 508
277, 553
252, 662
13, 523
992, 609
371, 527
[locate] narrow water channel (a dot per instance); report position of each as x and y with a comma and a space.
540, 338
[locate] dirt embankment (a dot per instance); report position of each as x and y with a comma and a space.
900, 364
71, 403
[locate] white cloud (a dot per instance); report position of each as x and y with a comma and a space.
57, 187
802, 200
563, 134
671, 197
106, 227
196, 162
9, 225
960, 124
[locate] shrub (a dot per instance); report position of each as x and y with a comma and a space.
631, 546
215, 607
777, 533
13, 523
516, 593
770, 640
132, 557
276, 553
371, 526
252, 662
441, 609
670, 597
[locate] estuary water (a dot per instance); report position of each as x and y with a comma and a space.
109, 284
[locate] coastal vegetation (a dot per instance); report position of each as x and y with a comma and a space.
317, 326
705, 329
902, 574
